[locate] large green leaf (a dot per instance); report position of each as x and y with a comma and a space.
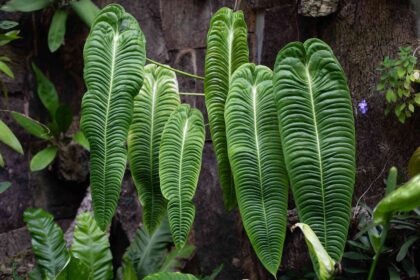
146, 253
323, 264
9, 138
170, 276
91, 246
157, 99
256, 159
47, 242
227, 49
114, 56
179, 167
57, 30
318, 139
404, 198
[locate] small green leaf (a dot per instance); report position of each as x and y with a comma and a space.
46, 91
405, 198
4, 186
393, 274
417, 98
25, 5
43, 158
31, 126
63, 118
400, 72
8, 24
170, 276
390, 96
6, 70
1, 161
8, 138
414, 163
86, 10
176, 258
404, 248
324, 266
57, 30
411, 107
80, 139
9, 37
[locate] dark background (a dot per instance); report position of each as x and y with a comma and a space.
361, 33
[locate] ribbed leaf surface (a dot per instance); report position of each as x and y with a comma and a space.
91, 246
256, 158
227, 49
47, 242
170, 276
114, 56
147, 252
179, 167
317, 132
157, 99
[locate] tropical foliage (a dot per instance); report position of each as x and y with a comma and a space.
227, 49
114, 57
319, 151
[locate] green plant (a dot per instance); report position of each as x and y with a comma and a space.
90, 257
179, 167
114, 56
256, 159
227, 49
54, 133
158, 98
85, 9
414, 163
9, 36
319, 151
397, 76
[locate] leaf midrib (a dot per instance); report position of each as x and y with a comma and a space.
318, 145
257, 144
184, 135
111, 86
154, 91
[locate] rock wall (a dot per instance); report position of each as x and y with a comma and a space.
361, 33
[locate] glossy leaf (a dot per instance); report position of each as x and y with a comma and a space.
75, 269
25, 5
414, 163
9, 138
57, 30
43, 158
4, 186
176, 259
170, 276
404, 198
318, 138
46, 91
2, 163
47, 242
91, 246
256, 160
114, 57
324, 265
179, 167
147, 252
157, 99
402, 253
86, 10
227, 49
80, 139
31, 126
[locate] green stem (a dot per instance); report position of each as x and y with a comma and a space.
175, 70
192, 93
379, 251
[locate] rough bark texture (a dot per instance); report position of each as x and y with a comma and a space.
361, 33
